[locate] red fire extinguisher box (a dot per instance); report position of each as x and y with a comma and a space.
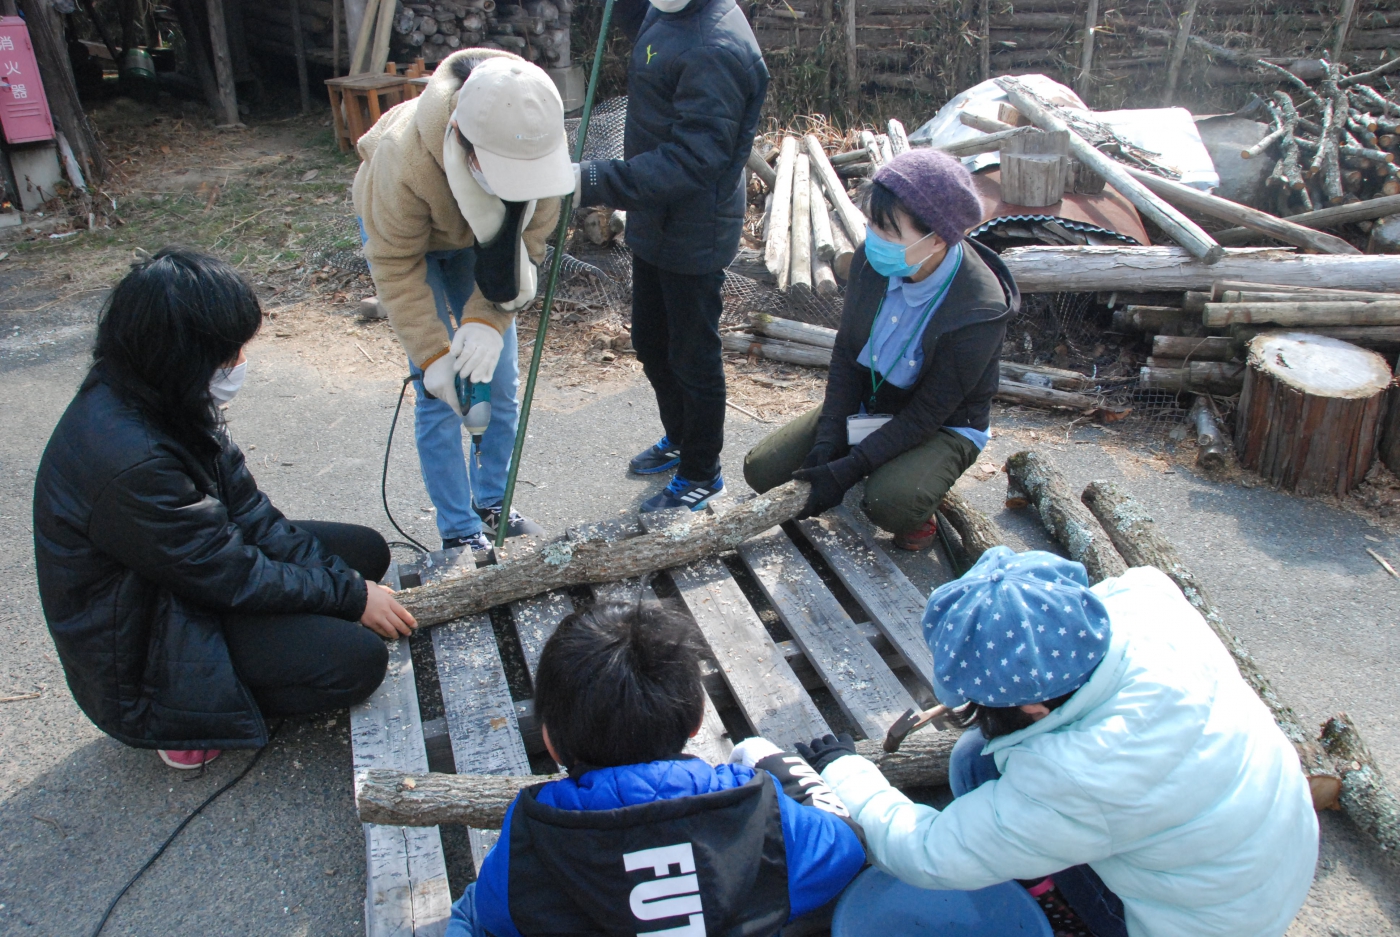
24, 111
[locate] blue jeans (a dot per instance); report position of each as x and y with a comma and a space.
1100, 909
454, 484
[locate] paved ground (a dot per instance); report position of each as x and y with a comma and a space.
282, 854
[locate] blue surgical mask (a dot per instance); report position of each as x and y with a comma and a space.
887, 257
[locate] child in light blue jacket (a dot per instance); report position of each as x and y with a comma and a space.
1112, 745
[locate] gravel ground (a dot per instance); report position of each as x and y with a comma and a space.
282, 853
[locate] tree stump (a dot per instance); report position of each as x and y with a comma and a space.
1390, 435
1310, 411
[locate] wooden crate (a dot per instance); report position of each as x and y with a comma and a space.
849, 655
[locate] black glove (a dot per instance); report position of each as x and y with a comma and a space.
831, 481
820, 455
825, 750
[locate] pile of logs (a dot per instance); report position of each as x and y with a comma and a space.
535, 29
1027, 384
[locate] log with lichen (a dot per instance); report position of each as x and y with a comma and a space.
1063, 515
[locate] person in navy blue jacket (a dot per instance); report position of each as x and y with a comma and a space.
640, 838
695, 88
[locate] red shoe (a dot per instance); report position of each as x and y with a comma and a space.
187, 760
920, 538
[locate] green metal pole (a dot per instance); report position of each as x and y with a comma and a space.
565, 211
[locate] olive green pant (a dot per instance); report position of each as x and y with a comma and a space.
899, 496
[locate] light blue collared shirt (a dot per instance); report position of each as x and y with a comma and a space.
902, 320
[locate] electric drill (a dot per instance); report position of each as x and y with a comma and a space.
476, 407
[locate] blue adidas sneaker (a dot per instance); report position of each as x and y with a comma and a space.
684, 494
658, 458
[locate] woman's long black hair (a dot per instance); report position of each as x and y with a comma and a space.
171, 323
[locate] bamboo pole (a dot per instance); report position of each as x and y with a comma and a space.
1086, 49
777, 248
1177, 226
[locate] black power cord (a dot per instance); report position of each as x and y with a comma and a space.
384, 478
184, 823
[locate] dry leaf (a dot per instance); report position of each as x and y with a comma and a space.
308, 176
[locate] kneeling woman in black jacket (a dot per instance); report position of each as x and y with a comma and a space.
184, 606
915, 366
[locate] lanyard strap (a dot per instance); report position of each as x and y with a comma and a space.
918, 330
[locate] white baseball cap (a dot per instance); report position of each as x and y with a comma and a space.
511, 113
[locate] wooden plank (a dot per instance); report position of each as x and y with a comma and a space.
753, 667
864, 686
535, 620
406, 890
888, 597
480, 715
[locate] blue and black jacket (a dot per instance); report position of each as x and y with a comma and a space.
679, 847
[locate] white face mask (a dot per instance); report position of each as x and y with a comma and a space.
670, 6
227, 382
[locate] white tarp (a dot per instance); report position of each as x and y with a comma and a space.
1167, 131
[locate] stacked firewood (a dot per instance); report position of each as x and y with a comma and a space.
536, 29
1333, 143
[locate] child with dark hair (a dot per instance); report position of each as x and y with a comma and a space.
185, 608
641, 838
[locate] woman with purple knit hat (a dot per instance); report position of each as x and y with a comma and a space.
908, 399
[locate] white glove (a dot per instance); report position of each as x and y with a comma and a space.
477, 347
438, 381
750, 752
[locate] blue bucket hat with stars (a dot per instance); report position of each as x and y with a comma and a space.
1016, 629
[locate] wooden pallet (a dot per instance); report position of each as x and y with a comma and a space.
843, 649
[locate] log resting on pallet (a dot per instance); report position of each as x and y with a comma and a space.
1086, 269
1064, 516
563, 563
1310, 411
397, 798
1137, 539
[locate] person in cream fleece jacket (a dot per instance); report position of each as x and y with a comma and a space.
458, 191
1112, 745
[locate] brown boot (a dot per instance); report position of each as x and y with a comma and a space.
920, 538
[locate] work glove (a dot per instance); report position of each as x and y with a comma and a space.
750, 752
825, 750
476, 348
831, 481
820, 455
438, 381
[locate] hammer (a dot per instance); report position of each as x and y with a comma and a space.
912, 721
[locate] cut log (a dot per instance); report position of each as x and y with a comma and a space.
1365, 797
1390, 432
564, 563
1220, 287
851, 218
1086, 48
1326, 217
1198, 377
823, 243
788, 330
1035, 168
1210, 442
791, 352
842, 251
1155, 363
1213, 348
1301, 314
823, 277
1155, 320
1311, 296
777, 250
1176, 225
759, 167
1066, 519
978, 532
1086, 269
1310, 412
1367, 336
1058, 378
480, 801
858, 155
872, 146
800, 277
223, 64
1137, 539
1184, 196
1035, 395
